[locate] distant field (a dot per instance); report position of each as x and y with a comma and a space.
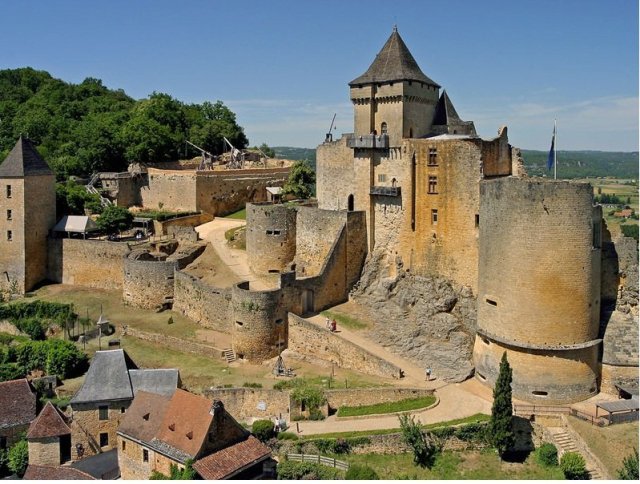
626, 189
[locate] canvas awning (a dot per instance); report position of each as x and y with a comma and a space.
75, 223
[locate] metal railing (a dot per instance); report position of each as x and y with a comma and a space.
319, 459
528, 410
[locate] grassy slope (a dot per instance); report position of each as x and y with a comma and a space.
387, 407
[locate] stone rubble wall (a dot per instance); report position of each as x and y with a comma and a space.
204, 304
307, 339
247, 404
173, 342
162, 228
371, 396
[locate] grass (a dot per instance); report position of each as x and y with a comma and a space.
610, 444
239, 215
478, 417
236, 237
344, 320
454, 465
387, 407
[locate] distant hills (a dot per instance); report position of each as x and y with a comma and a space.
571, 164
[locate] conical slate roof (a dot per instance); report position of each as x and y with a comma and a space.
445, 112
24, 160
393, 63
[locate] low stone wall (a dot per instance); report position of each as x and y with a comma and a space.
372, 396
204, 304
621, 375
89, 263
306, 338
173, 342
162, 228
248, 404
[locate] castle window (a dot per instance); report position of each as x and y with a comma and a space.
539, 393
9, 235
9, 214
481, 376
433, 156
8, 191
383, 128
477, 220
279, 321
276, 232
124, 444
433, 184
491, 302
382, 178
269, 232
122, 409
103, 412
145, 455
597, 235
434, 217
104, 439
239, 324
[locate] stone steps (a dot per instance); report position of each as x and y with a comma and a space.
229, 355
565, 443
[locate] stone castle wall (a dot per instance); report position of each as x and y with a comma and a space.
12, 278
89, 263
271, 236
247, 404
309, 340
148, 283
169, 190
162, 228
204, 304
173, 342
259, 323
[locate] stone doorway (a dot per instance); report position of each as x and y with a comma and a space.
65, 448
307, 301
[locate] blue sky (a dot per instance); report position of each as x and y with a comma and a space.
283, 66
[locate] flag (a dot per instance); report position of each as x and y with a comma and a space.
553, 141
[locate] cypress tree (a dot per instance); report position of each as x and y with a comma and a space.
502, 436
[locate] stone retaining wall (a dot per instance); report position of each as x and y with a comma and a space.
248, 404
372, 396
204, 304
305, 338
173, 342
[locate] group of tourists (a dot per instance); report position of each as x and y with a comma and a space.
331, 325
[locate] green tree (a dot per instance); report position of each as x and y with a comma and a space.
361, 473
301, 180
500, 425
573, 466
263, 430
114, 219
424, 445
547, 455
629, 469
175, 473
19, 457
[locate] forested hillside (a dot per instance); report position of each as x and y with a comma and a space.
571, 164
86, 127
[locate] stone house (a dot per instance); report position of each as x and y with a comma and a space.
17, 410
159, 431
49, 438
110, 385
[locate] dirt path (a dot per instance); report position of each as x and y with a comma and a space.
234, 259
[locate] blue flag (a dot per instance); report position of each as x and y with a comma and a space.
553, 141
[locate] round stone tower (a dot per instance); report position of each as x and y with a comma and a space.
271, 236
539, 287
260, 323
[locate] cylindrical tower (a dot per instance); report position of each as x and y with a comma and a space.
260, 327
271, 236
539, 287
148, 280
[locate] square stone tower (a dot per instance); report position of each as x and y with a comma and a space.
27, 213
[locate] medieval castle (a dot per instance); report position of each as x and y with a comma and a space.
413, 190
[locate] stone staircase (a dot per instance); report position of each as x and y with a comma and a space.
229, 355
565, 443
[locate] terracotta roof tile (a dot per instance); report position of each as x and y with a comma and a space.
231, 460
144, 416
186, 422
50, 423
17, 403
55, 473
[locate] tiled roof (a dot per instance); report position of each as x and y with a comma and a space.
107, 378
50, 423
24, 160
233, 459
393, 63
445, 112
162, 381
144, 416
17, 403
186, 422
55, 473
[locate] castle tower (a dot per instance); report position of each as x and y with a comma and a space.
394, 96
539, 288
27, 213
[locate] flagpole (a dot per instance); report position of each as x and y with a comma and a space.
555, 149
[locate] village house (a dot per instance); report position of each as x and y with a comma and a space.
49, 438
17, 410
159, 430
110, 385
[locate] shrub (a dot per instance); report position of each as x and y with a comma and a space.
170, 320
32, 327
474, 432
11, 371
287, 436
316, 414
547, 455
573, 466
252, 385
53, 356
630, 231
290, 470
360, 472
423, 445
263, 430
629, 469
19, 457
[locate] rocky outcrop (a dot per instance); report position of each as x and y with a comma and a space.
423, 318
